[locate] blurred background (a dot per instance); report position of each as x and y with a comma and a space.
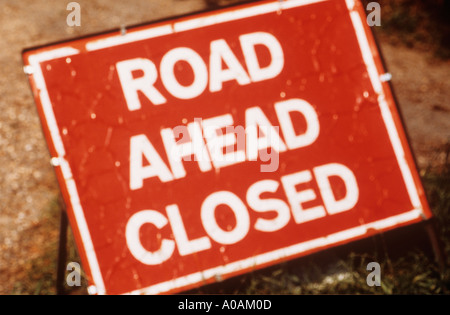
414, 37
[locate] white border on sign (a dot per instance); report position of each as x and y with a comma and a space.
196, 23
60, 160
198, 277
385, 112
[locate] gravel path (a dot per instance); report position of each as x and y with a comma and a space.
27, 181
422, 86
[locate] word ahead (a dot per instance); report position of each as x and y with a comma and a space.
200, 148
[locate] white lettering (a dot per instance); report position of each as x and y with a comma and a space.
265, 205
240, 212
131, 85
293, 140
185, 246
297, 198
221, 52
134, 243
323, 173
248, 43
140, 146
168, 75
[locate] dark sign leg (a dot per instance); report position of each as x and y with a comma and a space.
439, 254
62, 254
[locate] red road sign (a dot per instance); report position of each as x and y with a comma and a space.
163, 196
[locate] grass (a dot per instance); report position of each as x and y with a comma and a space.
415, 273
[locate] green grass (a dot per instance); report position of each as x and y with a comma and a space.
415, 273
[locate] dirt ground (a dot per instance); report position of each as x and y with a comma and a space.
27, 182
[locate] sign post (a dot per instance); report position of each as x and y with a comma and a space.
203, 147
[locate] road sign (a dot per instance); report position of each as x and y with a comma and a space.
206, 146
